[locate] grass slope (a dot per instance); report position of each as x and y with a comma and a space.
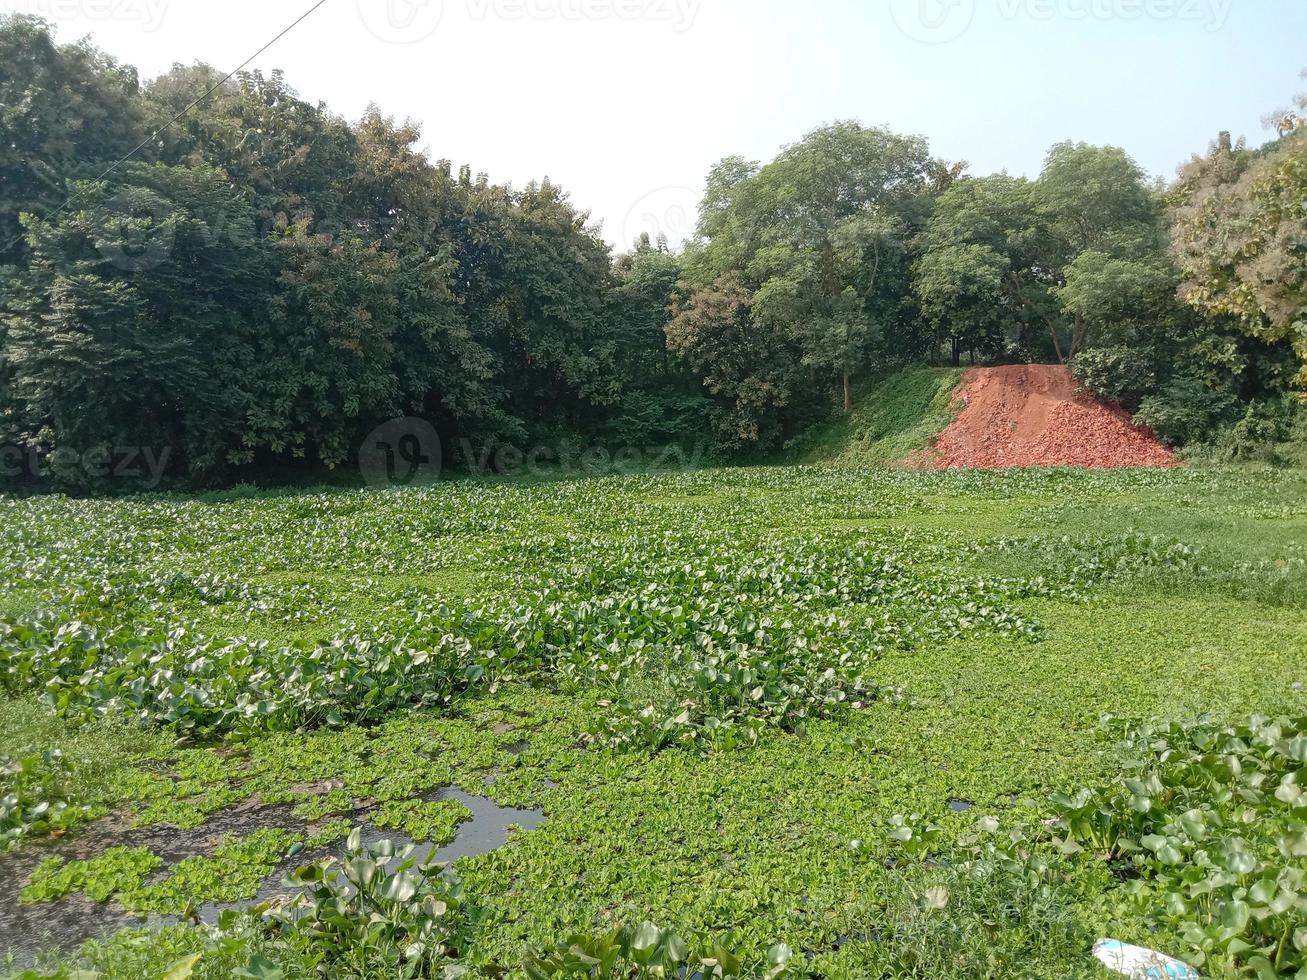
892, 418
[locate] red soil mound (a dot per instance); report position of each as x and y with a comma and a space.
1036, 415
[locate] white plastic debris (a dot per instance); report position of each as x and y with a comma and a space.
1141, 964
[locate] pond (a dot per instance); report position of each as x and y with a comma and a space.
26, 930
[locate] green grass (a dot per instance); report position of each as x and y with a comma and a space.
892, 418
998, 617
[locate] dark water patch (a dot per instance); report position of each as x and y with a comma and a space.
960, 805
26, 930
486, 831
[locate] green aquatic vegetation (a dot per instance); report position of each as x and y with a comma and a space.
421, 821
649, 951
327, 833
329, 804
117, 870
234, 872
599, 646
1211, 819
377, 913
992, 905
56, 777
33, 797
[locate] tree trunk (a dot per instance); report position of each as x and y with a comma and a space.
1078, 331
848, 396
957, 352
1057, 344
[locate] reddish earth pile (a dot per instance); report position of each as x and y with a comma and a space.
1036, 415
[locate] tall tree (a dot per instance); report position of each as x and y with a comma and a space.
63, 108
133, 323
817, 234
1238, 228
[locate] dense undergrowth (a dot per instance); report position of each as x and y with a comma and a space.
892, 418
749, 703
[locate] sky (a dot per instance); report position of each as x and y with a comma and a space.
628, 103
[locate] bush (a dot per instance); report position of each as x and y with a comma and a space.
1115, 374
1186, 411
1263, 429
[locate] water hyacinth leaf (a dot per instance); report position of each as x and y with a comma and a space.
183, 968
260, 968
646, 937
778, 960
400, 888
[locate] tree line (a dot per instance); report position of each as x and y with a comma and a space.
261, 283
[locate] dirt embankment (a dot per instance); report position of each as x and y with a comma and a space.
1036, 415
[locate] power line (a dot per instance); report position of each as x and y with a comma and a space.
155, 135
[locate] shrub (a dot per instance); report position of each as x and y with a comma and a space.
1116, 374
1187, 411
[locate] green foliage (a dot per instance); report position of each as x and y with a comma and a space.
232, 873
1116, 374
256, 290
801, 279
994, 906
648, 951
892, 418
1186, 410
1237, 234
960, 289
1212, 820
379, 913
55, 777
32, 791
63, 104
421, 821
117, 870
991, 617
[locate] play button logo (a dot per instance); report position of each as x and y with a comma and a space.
933, 21
401, 21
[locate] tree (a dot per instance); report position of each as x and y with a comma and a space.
294, 160
961, 293
1239, 221
131, 324
742, 361
1110, 299
62, 107
660, 400
820, 233
1001, 215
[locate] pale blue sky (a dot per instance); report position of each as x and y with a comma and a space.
627, 103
